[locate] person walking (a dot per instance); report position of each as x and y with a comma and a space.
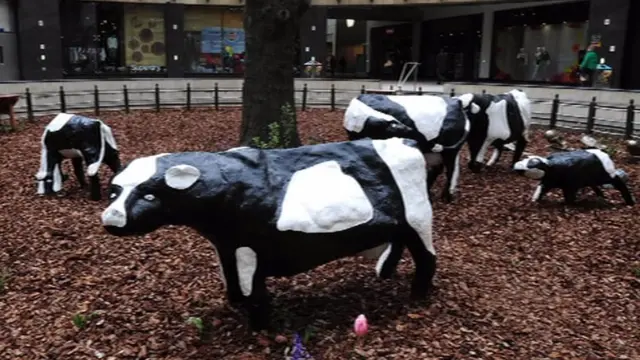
588, 66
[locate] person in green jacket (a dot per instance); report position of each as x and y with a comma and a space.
588, 66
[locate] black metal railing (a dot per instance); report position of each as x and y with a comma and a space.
592, 116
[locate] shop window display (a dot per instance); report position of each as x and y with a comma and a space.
537, 51
214, 40
144, 39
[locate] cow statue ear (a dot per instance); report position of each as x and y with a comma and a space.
182, 176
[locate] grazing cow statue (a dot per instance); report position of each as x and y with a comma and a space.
438, 124
78, 138
280, 212
502, 119
572, 171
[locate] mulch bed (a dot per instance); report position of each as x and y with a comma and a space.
515, 280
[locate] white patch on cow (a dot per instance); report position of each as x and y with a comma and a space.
246, 263
483, 150
498, 121
357, 113
372, 253
137, 172
536, 194
437, 148
456, 174
408, 168
382, 259
57, 178
466, 102
58, 122
494, 157
607, 163
182, 176
524, 104
108, 135
238, 148
426, 111
323, 199
531, 173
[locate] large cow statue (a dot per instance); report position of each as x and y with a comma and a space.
438, 124
572, 171
280, 212
78, 138
502, 119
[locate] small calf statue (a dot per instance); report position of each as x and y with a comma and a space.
502, 119
80, 139
572, 171
438, 124
280, 212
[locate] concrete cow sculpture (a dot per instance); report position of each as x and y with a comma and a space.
280, 212
502, 119
438, 124
572, 171
77, 138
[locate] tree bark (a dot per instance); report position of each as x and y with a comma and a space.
270, 31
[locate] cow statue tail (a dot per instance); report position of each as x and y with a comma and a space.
42, 172
93, 168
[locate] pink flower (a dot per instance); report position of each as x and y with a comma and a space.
360, 326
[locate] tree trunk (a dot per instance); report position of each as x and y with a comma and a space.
270, 31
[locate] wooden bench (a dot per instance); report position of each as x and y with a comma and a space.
7, 102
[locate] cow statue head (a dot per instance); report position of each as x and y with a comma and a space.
533, 167
154, 191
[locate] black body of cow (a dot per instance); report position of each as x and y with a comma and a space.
504, 131
236, 199
571, 171
452, 135
80, 139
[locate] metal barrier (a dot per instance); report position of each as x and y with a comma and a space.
589, 117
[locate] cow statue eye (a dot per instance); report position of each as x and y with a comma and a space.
149, 197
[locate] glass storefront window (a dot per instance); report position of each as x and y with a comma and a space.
540, 44
214, 40
144, 38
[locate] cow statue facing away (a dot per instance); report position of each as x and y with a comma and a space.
280, 212
572, 171
502, 119
438, 124
78, 138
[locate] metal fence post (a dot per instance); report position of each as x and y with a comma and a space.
216, 98
63, 102
96, 100
452, 93
29, 105
555, 106
419, 90
484, 91
362, 90
304, 97
333, 97
591, 115
631, 114
188, 96
125, 92
157, 98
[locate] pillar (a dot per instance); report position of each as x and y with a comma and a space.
608, 24
313, 34
174, 30
40, 46
486, 48
416, 40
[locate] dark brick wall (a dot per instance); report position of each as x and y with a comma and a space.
614, 34
31, 35
315, 40
174, 15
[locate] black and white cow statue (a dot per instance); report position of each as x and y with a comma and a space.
572, 171
438, 124
80, 139
502, 119
280, 212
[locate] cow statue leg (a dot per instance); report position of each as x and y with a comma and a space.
570, 195
425, 263
521, 144
389, 259
432, 175
621, 186
50, 175
253, 287
598, 191
498, 148
451, 160
540, 192
79, 171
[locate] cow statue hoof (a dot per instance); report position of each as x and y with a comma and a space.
447, 197
475, 166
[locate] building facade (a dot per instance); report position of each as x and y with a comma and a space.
511, 41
